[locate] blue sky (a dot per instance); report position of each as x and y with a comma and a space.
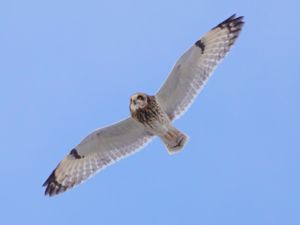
68, 67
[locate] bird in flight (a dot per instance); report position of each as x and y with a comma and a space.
151, 115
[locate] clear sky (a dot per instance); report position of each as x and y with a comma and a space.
69, 67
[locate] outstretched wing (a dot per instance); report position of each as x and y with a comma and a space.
98, 150
193, 69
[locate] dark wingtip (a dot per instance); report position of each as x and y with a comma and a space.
236, 21
50, 184
53, 187
234, 25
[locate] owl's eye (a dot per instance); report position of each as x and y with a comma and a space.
140, 97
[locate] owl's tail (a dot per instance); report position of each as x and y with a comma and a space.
174, 140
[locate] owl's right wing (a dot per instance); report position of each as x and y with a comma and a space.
193, 69
98, 150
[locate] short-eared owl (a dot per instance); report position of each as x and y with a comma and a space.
151, 115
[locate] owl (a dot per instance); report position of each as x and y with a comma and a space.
151, 115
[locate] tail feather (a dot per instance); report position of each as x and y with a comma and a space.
174, 140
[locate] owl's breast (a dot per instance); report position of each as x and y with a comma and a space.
153, 118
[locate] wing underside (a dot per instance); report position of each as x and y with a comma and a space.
98, 150
195, 66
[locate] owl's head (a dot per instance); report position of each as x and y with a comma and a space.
138, 101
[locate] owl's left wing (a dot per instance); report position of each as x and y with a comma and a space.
193, 69
98, 150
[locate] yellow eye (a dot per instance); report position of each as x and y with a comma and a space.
140, 97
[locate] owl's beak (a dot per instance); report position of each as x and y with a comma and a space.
134, 102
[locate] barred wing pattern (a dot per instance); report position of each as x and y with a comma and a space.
193, 69
98, 150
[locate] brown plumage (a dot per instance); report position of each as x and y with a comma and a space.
148, 114
146, 110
